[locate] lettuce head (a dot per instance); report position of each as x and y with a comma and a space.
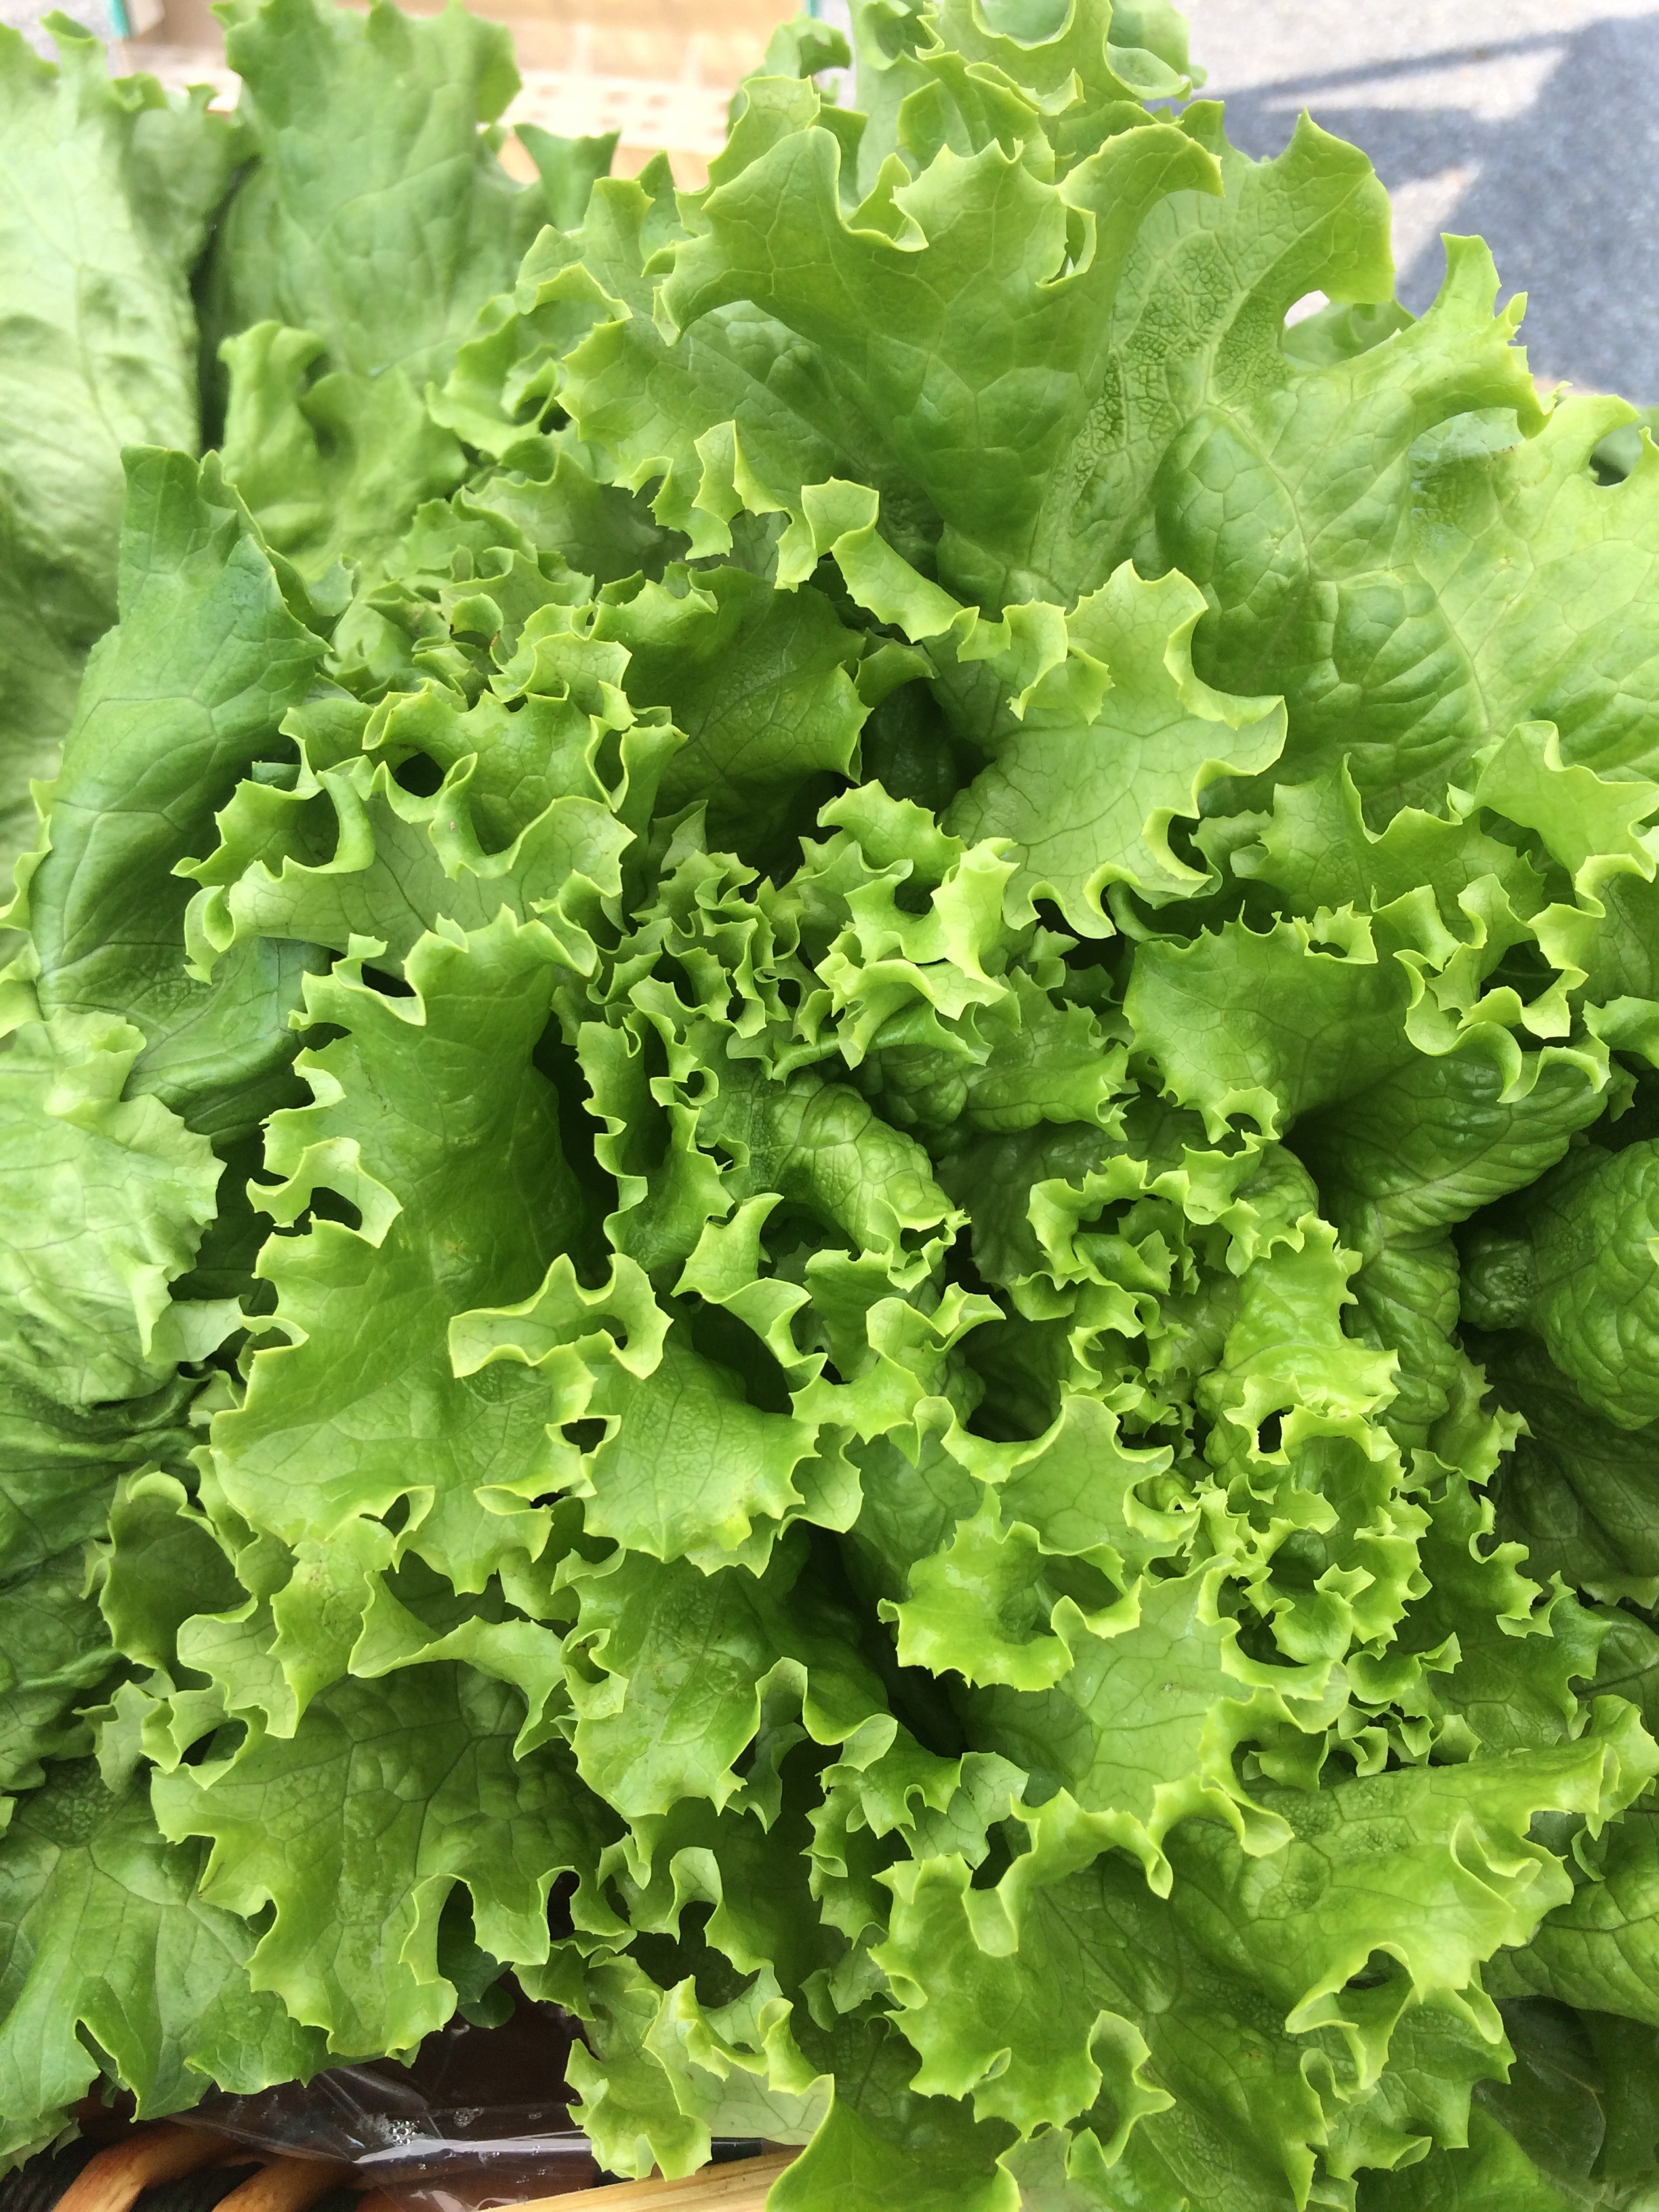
829, 1132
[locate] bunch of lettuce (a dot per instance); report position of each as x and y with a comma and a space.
831, 1142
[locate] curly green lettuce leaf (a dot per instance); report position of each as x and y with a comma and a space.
1332, 598
160, 1566
52, 1657
376, 213
945, 302
994, 1602
1600, 1948
348, 853
1279, 1022
1580, 1493
1183, 2024
696, 418
1574, 1261
761, 682
106, 1197
1404, 1163
1509, 1655
356, 1829
1489, 2173
1089, 788
1159, 416
108, 191
180, 701
59, 1463
103, 1933
1580, 2099
372, 226
706, 2044
332, 463
884, 2137
969, 269
1142, 1728
1572, 2126
660, 2072
695, 1452
1627, 1660
671, 1668
435, 1126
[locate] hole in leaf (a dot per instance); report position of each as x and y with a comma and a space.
559, 1925
420, 775
1081, 1581
1380, 1967
388, 985
328, 1206
997, 1858
732, 1344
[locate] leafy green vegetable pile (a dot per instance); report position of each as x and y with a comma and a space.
830, 1140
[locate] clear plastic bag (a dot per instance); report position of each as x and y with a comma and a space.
481, 2117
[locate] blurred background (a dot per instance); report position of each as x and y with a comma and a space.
662, 72
1532, 122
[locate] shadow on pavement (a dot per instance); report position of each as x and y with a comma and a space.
1565, 192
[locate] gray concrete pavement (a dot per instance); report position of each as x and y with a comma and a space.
1534, 122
